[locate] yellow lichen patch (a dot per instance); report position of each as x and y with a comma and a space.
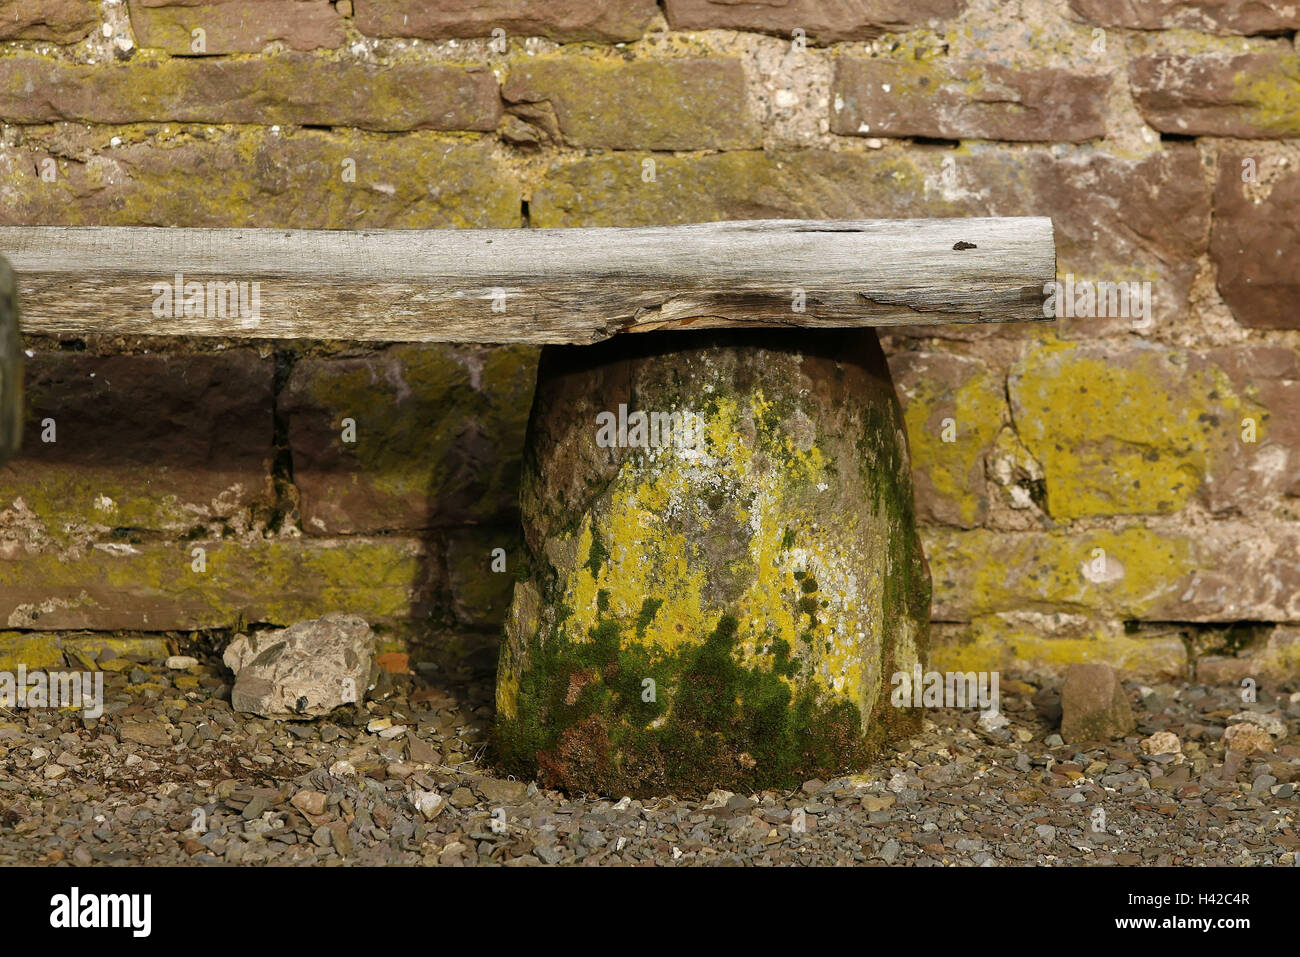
1272, 100
806, 587
1124, 437
33, 651
1128, 573
158, 586
993, 645
949, 431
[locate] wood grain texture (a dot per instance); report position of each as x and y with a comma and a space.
548, 285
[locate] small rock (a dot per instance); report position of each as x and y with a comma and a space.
1162, 742
889, 852
150, 733
874, 802
254, 808
342, 769
1268, 722
305, 670
992, 720
501, 792
181, 662
419, 752
309, 802
1247, 737
1094, 706
429, 803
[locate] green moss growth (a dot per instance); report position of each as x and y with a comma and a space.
587, 721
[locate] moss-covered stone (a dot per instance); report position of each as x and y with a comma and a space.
903, 96
954, 407
35, 652
241, 26
1125, 573
1213, 94
680, 104
92, 647
992, 644
1129, 434
158, 587
224, 176
717, 615
288, 88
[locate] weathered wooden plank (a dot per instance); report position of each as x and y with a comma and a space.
11, 367
522, 285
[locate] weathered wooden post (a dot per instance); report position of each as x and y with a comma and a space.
11, 366
723, 567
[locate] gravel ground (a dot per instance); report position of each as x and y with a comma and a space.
403, 780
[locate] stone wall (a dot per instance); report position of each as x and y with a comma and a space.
1113, 487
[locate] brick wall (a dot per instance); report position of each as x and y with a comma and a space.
1112, 487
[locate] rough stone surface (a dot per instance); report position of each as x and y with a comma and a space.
1018, 642
288, 88
235, 26
1255, 245
1259, 471
155, 586
59, 21
140, 442
954, 407
1221, 572
305, 670
562, 20
965, 100
1094, 706
766, 581
414, 180
480, 589
439, 434
1276, 662
683, 104
1245, 95
1162, 742
825, 20
1245, 738
1208, 16
1123, 434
